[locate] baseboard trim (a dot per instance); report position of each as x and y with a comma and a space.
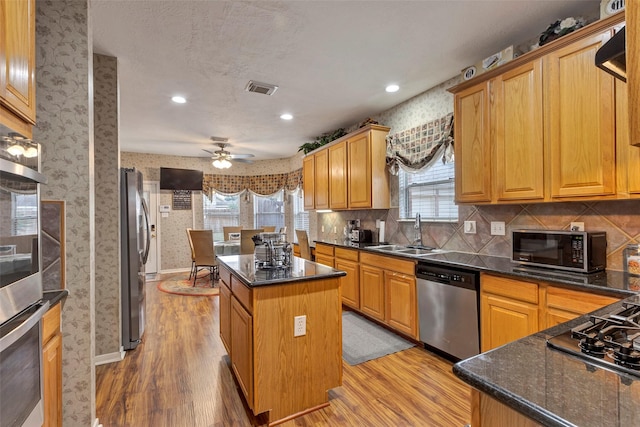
175, 270
110, 357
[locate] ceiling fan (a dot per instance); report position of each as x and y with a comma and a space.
222, 158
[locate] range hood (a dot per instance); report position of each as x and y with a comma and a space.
611, 56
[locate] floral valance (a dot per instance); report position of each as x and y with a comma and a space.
263, 185
419, 147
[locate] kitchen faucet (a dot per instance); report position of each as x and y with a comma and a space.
417, 238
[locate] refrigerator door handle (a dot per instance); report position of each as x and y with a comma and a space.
145, 255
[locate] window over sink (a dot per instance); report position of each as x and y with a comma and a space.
430, 192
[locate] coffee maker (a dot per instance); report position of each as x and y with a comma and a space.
352, 225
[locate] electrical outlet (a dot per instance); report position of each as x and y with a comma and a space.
469, 227
497, 228
299, 326
577, 226
322, 228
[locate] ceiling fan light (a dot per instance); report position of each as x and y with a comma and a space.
221, 164
16, 150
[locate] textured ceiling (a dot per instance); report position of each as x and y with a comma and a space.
330, 59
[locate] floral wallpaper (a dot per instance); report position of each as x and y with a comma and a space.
107, 163
65, 130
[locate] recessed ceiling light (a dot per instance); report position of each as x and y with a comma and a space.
286, 116
392, 88
179, 99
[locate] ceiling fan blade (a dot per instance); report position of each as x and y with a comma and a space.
241, 160
241, 156
210, 152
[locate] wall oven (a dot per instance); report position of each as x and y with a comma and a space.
21, 303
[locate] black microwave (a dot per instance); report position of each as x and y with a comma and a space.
579, 251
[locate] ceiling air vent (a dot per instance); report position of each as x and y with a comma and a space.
263, 88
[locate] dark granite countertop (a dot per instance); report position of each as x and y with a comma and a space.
552, 387
613, 283
55, 296
301, 269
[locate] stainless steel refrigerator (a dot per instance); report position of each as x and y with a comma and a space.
135, 241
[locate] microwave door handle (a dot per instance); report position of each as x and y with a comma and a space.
17, 333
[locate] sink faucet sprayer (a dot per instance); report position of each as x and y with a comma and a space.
417, 231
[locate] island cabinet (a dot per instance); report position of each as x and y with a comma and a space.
488, 412
52, 366
17, 65
388, 292
347, 260
282, 375
324, 254
540, 128
349, 173
511, 308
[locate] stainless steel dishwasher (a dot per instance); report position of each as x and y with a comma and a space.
448, 309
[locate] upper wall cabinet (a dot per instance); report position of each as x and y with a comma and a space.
541, 127
17, 62
633, 69
349, 173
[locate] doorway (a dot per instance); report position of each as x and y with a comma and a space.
150, 193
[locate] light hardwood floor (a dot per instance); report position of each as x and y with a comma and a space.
179, 376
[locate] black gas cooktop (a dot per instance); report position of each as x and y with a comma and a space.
611, 340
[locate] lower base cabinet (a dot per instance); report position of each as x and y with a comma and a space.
52, 367
488, 412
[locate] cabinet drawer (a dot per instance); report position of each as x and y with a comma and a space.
242, 293
576, 301
515, 289
389, 263
50, 323
324, 249
225, 275
348, 254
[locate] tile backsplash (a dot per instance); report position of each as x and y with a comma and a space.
620, 219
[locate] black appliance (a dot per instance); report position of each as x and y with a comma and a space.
579, 251
612, 58
135, 241
180, 179
448, 309
361, 236
611, 340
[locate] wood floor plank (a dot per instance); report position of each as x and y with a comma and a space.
179, 376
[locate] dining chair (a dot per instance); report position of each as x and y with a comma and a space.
246, 243
283, 229
227, 230
303, 242
269, 228
204, 253
193, 255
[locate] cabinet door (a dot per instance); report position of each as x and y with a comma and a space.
628, 156
504, 320
349, 284
308, 182
321, 185
52, 381
359, 155
372, 291
225, 316
517, 133
581, 121
242, 348
338, 176
472, 147
566, 304
401, 303
632, 15
17, 76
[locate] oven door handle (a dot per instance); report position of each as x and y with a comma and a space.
23, 328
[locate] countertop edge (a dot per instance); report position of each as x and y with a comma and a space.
55, 297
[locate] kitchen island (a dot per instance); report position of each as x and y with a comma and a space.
282, 328
526, 383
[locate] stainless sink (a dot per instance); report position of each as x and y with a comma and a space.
406, 250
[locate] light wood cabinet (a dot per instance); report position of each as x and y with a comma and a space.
338, 176
633, 69
402, 302
472, 147
564, 304
350, 173
628, 156
372, 291
52, 366
347, 261
517, 133
324, 254
580, 120
488, 412
308, 182
242, 348
17, 71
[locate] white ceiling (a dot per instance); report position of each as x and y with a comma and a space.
330, 59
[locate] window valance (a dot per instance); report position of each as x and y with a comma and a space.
263, 185
416, 148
